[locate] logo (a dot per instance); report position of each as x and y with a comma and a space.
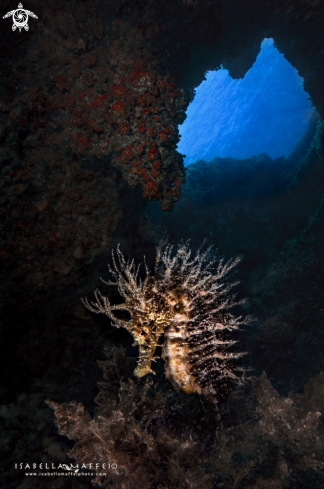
20, 18
65, 469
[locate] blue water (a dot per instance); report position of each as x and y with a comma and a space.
265, 112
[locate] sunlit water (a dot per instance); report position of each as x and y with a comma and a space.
265, 112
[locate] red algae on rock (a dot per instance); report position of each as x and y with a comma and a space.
62, 83
102, 101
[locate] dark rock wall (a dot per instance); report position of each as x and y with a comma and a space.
90, 97
90, 101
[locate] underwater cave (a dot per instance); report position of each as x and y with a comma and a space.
267, 111
204, 371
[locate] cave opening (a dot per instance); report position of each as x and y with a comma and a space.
253, 156
266, 112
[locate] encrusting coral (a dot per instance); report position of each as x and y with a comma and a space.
187, 300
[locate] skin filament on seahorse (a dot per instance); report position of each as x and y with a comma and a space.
188, 301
